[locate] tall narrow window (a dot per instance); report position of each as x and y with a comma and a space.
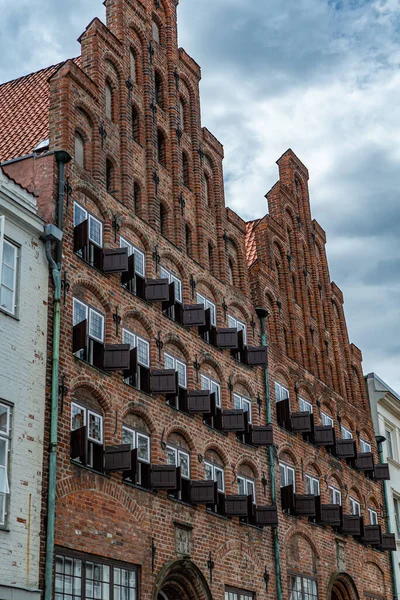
161, 148
79, 150
109, 102
185, 169
355, 507
181, 115
230, 270
135, 124
156, 32
207, 196
109, 176
8, 272
159, 89
5, 429
133, 66
188, 240
137, 198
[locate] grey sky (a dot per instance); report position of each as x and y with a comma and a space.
319, 76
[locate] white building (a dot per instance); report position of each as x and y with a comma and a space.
385, 408
23, 335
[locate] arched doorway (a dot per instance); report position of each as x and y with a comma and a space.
342, 587
181, 580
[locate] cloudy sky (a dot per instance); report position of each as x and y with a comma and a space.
319, 76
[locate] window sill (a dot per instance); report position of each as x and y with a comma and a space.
241, 364
86, 468
176, 322
138, 487
214, 514
187, 504
85, 262
92, 366
224, 433
248, 445
136, 296
5, 529
137, 389
8, 314
257, 527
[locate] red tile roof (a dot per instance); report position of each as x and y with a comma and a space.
24, 113
251, 246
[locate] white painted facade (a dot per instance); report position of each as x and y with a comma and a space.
385, 409
23, 343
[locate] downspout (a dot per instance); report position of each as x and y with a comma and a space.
56, 267
388, 527
262, 314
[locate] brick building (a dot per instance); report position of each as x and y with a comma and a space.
147, 234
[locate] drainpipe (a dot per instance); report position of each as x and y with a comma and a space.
54, 234
262, 314
379, 441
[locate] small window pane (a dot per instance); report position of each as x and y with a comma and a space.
365, 446
169, 362
171, 456
219, 478
95, 427
326, 420
231, 322
178, 288
4, 419
129, 338
95, 231
184, 463
209, 471
181, 368
242, 486
139, 262
143, 446
80, 214
78, 417
143, 352
96, 322
80, 312
128, 437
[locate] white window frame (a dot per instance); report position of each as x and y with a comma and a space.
90, 218
365, 445
233, 322
132, 249
286, 467
6, 437
311, 482
14, 267
355, 507
390, 442
176, 362
89, 311
326, 420
240, 402
336, 495
215, 468
373, 516
136, 338
305, 405
280, 390
172, 278
346, 433
396, 510
86, 414
178, 452
248, 483
207, 383
201, 299
136, 435
238, 595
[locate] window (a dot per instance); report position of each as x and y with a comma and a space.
109, 102
174, 312
346, 433
5, 432
302, 588
246, 487
185, 170
93, 421
335, 495
365, 446
230, 272
242, 403
215, 473
140, 259
355, 507
326, 420
239, 325
179, 458
208, 304
83, 577
141, 442
161, 148
305, 405
156, 32
281, 392
234, 594
312, 485
396, 506
209, 384
135, 125
8, 272
373, 516
207, 191
170, 362
95, 225
389, 443
133, 66
287, 475
94, 329
79, 150
159, 89
141, 380
181, 114
109, 176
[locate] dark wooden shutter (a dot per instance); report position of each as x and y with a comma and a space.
79, 445
98, 457
183, 399
131, 473
178, 309
171, 297
365, 461
331, 514
262, 435
164, 381
267, 516
213, 336
116, 357
165, 477
302, 422
372, 535
132, 368
227, 338
236, 506
129, 275
140, 286
381, 472
115, 260
199, 402
79, 336
287, 497
118, 458
233, 420
305, 505
207, 325
283, 414
81, 235
256, 356
194, 315
97, 257
146, 475
352, 525
388, 542
157, 290
98, 354
324, 435
220, 506
145, 379
204, 492
346, 448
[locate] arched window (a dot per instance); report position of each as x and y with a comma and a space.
188, 240
109, 176
214, 471
159, 89
132, 66
231, 272
109, 102
137, 200
287, 471
156, 32
87, 426
79, 150
161, 148
135, 124
136, 433
163, 219
207, 194
185, 169
181, 114
312, 482
178, 454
